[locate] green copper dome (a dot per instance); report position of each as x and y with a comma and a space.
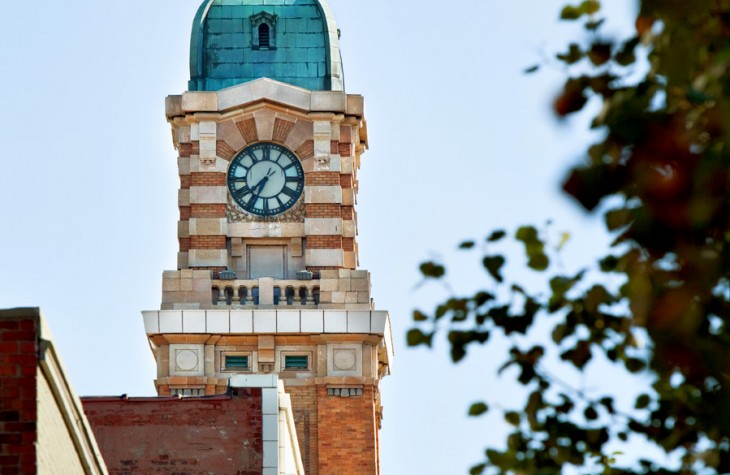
292, 41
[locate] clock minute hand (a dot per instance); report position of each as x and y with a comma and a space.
260, 185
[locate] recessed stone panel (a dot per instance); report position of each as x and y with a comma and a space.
186, 360
344, 359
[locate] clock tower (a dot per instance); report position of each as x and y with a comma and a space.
267, 281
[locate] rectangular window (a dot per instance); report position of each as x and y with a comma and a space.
296, 362
235, 362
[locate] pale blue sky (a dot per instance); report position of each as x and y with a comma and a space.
461, 142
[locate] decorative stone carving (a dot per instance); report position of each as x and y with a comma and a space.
235, 214
186, 360
344, 360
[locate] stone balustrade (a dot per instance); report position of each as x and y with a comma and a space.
189, 289
265, 291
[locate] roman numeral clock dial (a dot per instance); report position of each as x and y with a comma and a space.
265, 179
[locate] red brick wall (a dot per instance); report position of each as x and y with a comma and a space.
319, 210
322, 179
324, 242
207, 210
18, 392
207, 179
207, 242
337, 436
348, 434
186, 436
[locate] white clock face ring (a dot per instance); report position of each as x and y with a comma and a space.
265, 179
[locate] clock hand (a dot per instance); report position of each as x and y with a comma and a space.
261, 184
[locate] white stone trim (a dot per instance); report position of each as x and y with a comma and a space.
208, 258
323, 226
265, 89
263, 230
323, 194
324, 257
208, 195
373, 322
208, 226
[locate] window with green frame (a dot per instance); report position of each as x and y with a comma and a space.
296, 362
235, 362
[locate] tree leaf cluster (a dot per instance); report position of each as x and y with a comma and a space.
663, 162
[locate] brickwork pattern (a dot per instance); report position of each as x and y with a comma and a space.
304, 407
348, 213
248, 130
207, 210
306, 150
348, 434
185, 149
322, 179
282, 129
224, 150
207, 179
322, 210
18, 395
346, 181
207, 242
324, 242
180, 436
270, 123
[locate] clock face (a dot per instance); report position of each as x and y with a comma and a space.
265, 179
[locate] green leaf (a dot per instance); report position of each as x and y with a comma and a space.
477, 409
432, 270
573, 55
600, 53
513, 418
477, 469
466, 245
634, 365
534, 248
493, 264
570, 12
419, 316
590, 413
416, 337
618, 218
643, 401
526, 234
538, 262
496, 236
588, 7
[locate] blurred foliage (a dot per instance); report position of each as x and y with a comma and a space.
664, 162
